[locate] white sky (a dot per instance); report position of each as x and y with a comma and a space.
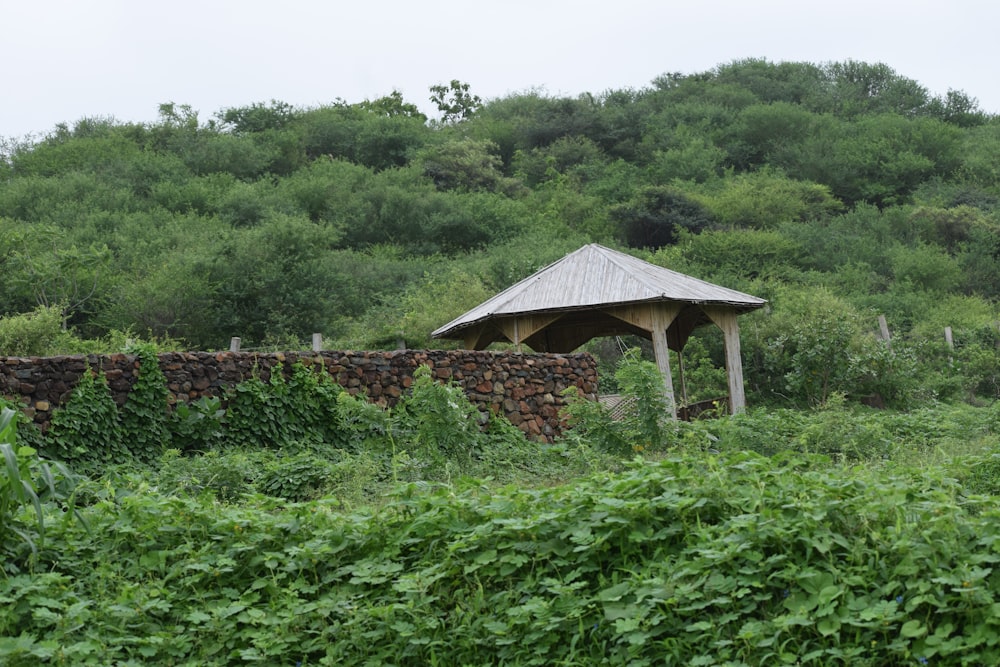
68, 59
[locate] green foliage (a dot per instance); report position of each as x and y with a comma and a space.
144, 417
454, 101
309, 476
766, 199
423, 307
362, 134
466, 165
20, 430
926, 267
734, 257
30, 334
271, 222
638, 567
26, 481
86, 431
196, 426
814, 345
227, 476
656, 216
258, 117
643, 421
436, 422
307, 408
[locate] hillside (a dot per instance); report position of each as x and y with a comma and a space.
838, 192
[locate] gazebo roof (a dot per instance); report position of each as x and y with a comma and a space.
595, 278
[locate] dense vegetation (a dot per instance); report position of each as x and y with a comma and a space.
838, 192
756, 539
295, 524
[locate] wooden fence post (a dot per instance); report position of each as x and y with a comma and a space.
883, 328
951, 344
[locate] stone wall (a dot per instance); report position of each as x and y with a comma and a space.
526, 388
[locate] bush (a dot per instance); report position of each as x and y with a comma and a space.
30, 334
144, 417
86, 431
644, 423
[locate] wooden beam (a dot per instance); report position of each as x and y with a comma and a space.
725, 319
519, 329
639, 315
473, 336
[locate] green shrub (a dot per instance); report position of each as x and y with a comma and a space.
30, 334
196, 426
26, 481
296, 478
227, 476
87, 430
26, 432
644, 423
436, 422
309, 406
144, 417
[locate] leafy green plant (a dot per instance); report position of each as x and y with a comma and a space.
30, 334
718, 559
297, 478
25, 431
144, 417
437, 422
305, 407
8, 426
87, 430
642, 421
227, 476
197, 426
25, 482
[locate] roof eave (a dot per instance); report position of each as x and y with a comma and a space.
454, 327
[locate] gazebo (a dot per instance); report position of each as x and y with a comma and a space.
597, 292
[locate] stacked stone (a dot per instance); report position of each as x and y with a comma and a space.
525, 388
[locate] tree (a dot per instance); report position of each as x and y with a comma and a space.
655, 215
363, 134
393, 105
767, 198
257, 117
863, 88
466, 165
58, 276
880, 158
789, 82
454, 101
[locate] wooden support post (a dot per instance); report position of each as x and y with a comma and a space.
725, 319
234, 344
317, 342
680, 376
661, 319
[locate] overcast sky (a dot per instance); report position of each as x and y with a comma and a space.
68, 59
